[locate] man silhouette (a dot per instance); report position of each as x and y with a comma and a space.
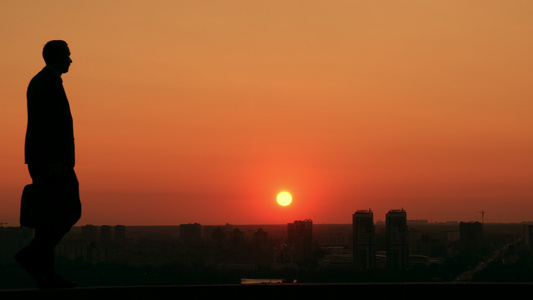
49, 154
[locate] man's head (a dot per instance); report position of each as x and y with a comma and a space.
56, 54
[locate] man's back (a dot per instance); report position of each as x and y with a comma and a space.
49, 135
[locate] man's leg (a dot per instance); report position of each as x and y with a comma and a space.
61, 214
38, 257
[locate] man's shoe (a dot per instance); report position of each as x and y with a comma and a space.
56, 282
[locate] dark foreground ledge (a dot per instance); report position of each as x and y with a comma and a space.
282, 291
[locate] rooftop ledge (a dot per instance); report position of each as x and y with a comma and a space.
281, 291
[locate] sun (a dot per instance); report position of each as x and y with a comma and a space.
284, 198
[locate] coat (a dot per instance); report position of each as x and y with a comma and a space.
50, 133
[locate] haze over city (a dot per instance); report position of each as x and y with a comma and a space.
203, 111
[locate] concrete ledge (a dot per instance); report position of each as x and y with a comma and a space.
283, 291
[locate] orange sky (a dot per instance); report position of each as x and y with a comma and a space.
202, 111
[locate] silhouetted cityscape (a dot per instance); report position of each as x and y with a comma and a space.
395, 250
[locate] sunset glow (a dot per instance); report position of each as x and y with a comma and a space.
201, 111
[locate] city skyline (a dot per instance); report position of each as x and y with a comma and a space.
479, 218
188, 111
396, 245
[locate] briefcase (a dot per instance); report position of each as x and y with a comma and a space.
49, 205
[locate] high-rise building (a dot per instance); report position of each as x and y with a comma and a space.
260, 239
364, 240
105, 234
89, 233
236, 238
528, 236
470, 236
191, 233
120, 232
397, 239
300, 238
